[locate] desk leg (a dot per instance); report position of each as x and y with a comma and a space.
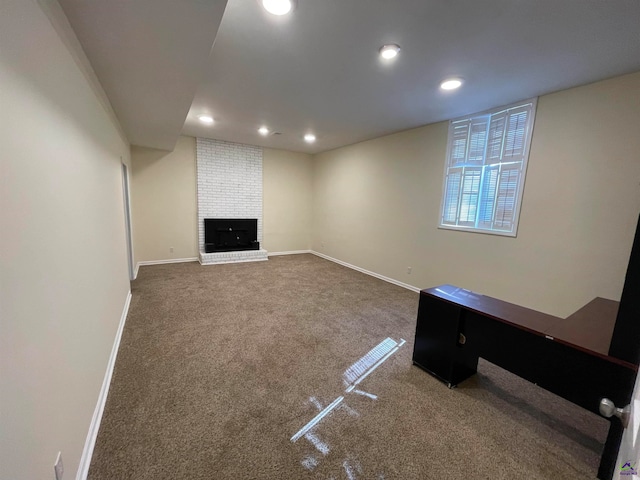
610, 452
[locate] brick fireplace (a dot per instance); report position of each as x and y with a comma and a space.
229, 187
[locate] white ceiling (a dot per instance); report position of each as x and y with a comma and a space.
318, 69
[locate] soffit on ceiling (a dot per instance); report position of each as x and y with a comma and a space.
149, 56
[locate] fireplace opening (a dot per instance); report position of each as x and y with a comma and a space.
230, 234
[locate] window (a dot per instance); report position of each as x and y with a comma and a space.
485, 169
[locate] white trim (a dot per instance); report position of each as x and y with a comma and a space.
90, 443
362, 270
291, 252
161, 262
126, 198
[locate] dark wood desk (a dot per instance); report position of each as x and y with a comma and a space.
569, 357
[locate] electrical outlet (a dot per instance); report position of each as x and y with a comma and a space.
58, 467
170, 249
409, 270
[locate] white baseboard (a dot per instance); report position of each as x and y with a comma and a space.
161, 262
362, 270
87, 453
291, 252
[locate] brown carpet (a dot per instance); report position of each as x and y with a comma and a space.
220, 366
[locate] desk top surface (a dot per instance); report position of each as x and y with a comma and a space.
589, 329
591, 326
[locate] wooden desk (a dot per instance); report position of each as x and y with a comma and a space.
568, 357
590, 327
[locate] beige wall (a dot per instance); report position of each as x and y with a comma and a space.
376, 205
163, 202
287, 195
63, 270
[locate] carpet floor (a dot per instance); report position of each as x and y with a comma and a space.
223, 370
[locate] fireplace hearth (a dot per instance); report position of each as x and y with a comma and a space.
230, 234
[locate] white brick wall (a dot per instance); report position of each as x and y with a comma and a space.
229, 182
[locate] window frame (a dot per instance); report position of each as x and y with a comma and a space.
484, 166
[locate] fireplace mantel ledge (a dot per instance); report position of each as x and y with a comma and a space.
233, 257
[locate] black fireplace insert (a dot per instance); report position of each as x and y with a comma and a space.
230, 234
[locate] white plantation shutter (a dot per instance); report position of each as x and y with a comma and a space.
459, 143
487, 203
451, 195
496, 138
485, 169
506, 199
515, 134
477, 140
469, 196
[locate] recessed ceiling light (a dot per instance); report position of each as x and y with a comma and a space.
264, 131
309, 138
278, 7
451, 84
389, 51
206, 119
